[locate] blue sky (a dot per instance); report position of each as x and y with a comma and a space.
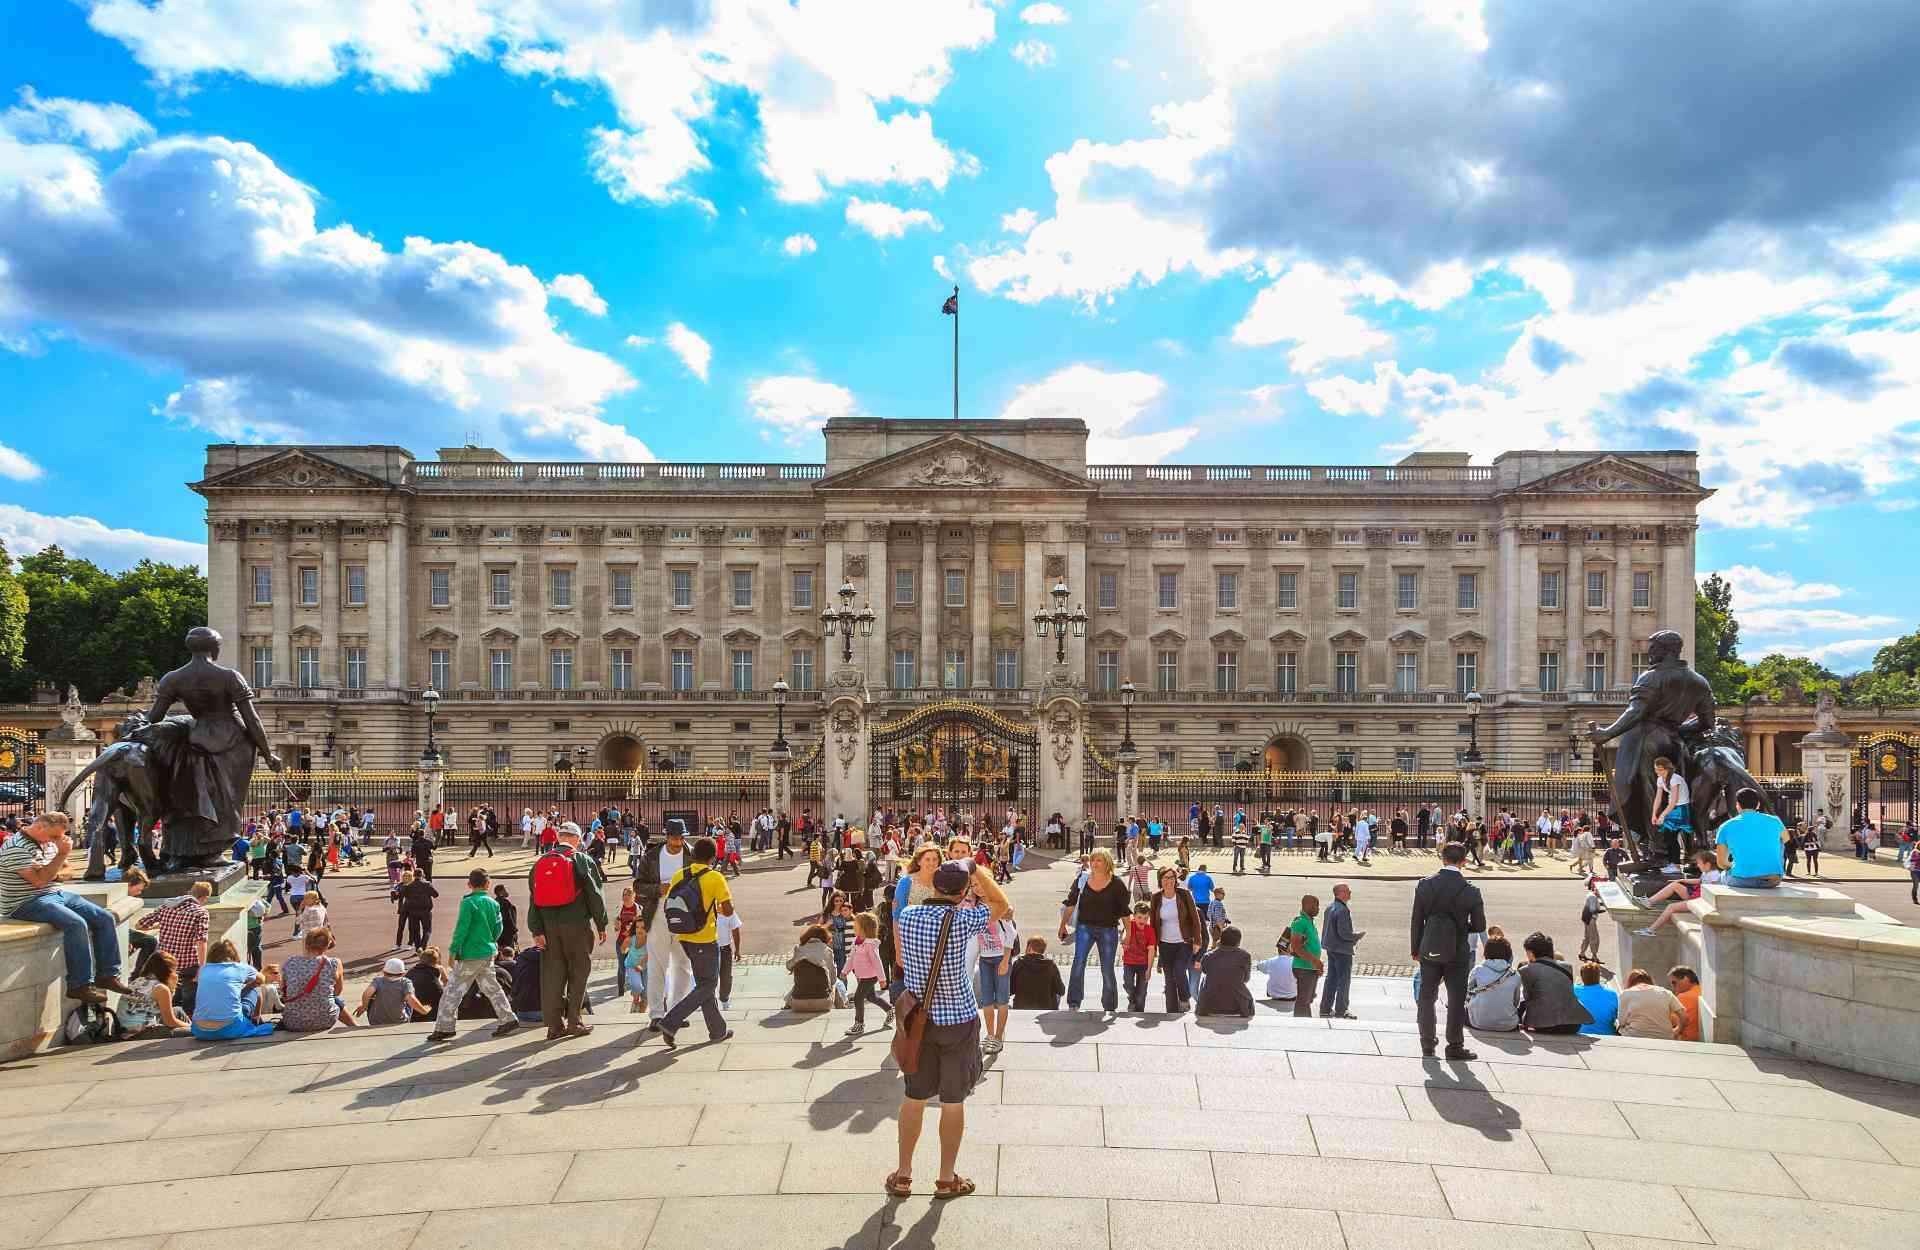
1216, 231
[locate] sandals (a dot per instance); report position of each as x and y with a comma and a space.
958, 1187
899, 1186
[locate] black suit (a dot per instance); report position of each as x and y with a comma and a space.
1448, 893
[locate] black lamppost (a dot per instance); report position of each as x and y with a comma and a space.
1060, 621
846, 621
1126, 706
1473, 728
580, 757
780, 689
653, 759
431, 700
1573, 747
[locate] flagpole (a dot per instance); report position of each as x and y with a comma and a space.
956, 353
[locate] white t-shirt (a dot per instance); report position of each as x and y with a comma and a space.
723, 929
1279, 970
1170, 920
299, 883
670, 863
1676, 788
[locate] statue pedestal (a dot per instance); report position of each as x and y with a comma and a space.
168, 885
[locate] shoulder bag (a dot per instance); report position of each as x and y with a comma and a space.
910, 1009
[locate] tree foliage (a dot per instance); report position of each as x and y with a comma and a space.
1717, 639
97, 630
13, 621
1775, 677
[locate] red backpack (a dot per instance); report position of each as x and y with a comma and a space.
553, 880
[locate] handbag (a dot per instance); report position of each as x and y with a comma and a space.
910, 1009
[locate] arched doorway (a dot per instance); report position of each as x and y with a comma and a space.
1288, 754
621, 753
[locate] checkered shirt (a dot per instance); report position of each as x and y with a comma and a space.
917, 930
181, 926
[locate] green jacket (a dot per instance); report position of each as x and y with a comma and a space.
477, 932
587, 906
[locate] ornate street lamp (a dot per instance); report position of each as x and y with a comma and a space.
653, 759
1473, 728
1126, 704
1060, 621
431, 700
845, 620
780, 689
1573, 747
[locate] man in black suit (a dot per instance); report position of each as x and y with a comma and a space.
1446, 896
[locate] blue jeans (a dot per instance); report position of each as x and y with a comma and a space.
1084, 938
238, 1027
1754, 883
704, 958
1176, 960
88, 935
1337, 985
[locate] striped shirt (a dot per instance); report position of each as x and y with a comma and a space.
17, 852
918, 930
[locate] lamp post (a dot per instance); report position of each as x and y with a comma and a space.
1473, 728
1573, 748
845, 620
653, 759
780, 689
431, 700
1060, 621
1126, 707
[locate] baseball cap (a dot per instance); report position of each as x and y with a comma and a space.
951, 878
569, 830
395, 968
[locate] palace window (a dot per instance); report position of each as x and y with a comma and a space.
500, 588
903, 586
1346, 671
1549, 589
1549, 672
1640, 664
1406, 761
621, 583
560, 534
439, 668
1006, 586
955, 582
1407, 538
1286, 672
1286, 593
1467, 592
742, 669
1107, 589
500, 668
1006, 668
560, 668
1169, 536
1349, 538
1106, 670
1466, 672
1406, 671
356, 585
1348, 593
309, 586
262, 667
742, 580
307, 660
262, 583
1466, 537
354, 661
560, 588
801, 535
440, 588
1407, 592
1167, 667
802, 662
1229, 591
682, 588
1596, 670
743, 535
1226, 671
1596, 589
953, 668
906, 668
1286, 536
803, 588
1169, 590
680, 535
620, 667
1226, 536
1642, 589
680, 668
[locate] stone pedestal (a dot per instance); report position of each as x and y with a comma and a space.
1126, 783
432, 787
171, 885
65, 760
1473, 788
780, 780
1063, 757
1827, 760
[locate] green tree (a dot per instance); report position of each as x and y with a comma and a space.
1881, 690
1899, 656
1775, 675
1717, 639
13, 621
101, 631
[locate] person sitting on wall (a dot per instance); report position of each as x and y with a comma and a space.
1748, 845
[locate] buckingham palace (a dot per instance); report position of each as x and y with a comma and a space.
1299, 616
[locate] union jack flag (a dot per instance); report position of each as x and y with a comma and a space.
952, 307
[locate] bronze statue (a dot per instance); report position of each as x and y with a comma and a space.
126, 799
188, 772
1670, 713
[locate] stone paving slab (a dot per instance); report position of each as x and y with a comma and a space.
1098, 1089
860, 1164
1102, 1171
1327, 1184
1287, 1096
357, 1106
1223, 1226
1772, 1223
1739, 1129
1356, 1137
586, 1224
1859, 1184
450, 1185
528, 1133
1743, 1171
1902, 1141
82, 1167
384, 1232
1662, 1091
672, 1172
1371, 1231
23, 1100
83, 1128
288, 1148
1180, 1128
186, 1205
1494, 1112
1634, 1208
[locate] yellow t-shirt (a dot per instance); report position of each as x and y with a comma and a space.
713, 892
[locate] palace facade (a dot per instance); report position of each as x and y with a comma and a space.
1312, 615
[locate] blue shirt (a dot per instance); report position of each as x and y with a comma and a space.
1602, 1003
1201, 885
1753, 840
917, 930
217, 995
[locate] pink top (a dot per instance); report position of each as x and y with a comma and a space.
863, 960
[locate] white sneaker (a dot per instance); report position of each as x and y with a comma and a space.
1646, 933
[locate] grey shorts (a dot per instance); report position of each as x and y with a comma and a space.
949, 1062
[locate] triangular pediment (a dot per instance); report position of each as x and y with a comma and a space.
296, 469
560, 634
958, 462
1473, 636
1109, 638
1168, 638
1287, 638
436, 634
619, 635
1610, 474
1348, 638
499, 634
1228, 638
1408, 638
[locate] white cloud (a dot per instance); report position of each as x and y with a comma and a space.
940, 267
104, 127
1307, 306
639, 340
1827, 652
794, 407
284, 330
1033, 53
17, 466
576, 290
840, 88
1757, 588
694, 352
799, 245
26, 532
1772, 622
885, 221
1019, 221
1110, 403
1044, 15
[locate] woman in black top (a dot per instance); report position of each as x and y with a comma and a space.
1094, 908
509, 920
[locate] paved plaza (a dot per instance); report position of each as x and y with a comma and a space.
1144, 1132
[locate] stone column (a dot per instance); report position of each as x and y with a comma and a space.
283, 595
1316, 591
932, 594
1676, 584
1033, 565
529, 664
1622, 675
711, 608
982, 588
226, 591
780, 779
651, 592
848, 765
770, 605
432, 783
1473, 788
1082, 595
1062, 752
1126, 783
1136, 603
877, 649
69, 747
1504, 615
380, 674
1524, 623
332, 666
1826, 758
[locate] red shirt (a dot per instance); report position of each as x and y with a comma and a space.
1137, 939
437, 821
